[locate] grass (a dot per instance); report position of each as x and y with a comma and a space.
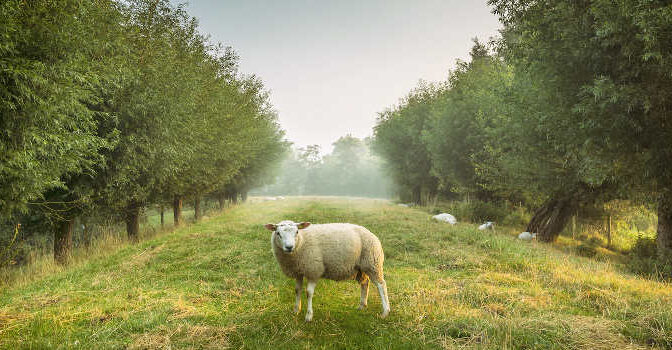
215, 284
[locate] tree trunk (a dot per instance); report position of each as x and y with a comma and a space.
197, 208
161, 210
549, 220
609, 232
664, 234
63, 241
177, 210
416, 195
221, 199
133, 220
243, 196
86, 232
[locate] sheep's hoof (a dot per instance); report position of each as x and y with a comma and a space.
361, 307
309, 317
385, 313
297, 309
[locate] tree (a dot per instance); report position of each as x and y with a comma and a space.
461, 122
607, 66
398, 140
53, 135
47, 130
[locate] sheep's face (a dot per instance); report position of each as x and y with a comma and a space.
285, 233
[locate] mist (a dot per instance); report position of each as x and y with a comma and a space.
351, 169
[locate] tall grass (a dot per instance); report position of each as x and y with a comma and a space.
109, 239
215, 284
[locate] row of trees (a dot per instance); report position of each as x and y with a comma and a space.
349, 170
111, 106
569, 107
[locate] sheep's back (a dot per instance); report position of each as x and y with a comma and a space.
339, 247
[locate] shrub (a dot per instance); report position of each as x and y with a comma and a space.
519, 217
586, 249
645, 247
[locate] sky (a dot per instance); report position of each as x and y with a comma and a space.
331, 66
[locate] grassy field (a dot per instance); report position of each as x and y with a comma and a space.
215, 284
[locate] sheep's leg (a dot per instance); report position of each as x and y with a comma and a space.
365, 294
382, 290
297, 289
310, 289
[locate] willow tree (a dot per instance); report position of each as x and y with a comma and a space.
398, 140
52, 136
153, 106
261, 139
606, 69
461, 125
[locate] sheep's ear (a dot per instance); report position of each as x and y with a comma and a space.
270, 227
303, 225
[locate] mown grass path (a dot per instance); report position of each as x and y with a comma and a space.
215, 284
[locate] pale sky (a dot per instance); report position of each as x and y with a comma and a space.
331, 66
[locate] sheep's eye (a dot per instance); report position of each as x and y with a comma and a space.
277, 233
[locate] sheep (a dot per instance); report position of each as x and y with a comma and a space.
445, 218
526, 236
403, 205
489, 225
334, 251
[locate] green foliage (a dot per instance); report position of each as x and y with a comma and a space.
398, 140
112, 106
587, 249
461, 122
644, 247
605, 69
52, 65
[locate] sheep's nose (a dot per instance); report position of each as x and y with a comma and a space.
289, 248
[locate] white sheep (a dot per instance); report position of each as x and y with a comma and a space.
403, 205
526, 236
489, 225
445, 218
333, 251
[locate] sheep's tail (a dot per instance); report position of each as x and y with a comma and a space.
361, 277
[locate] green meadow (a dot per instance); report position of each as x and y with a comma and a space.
215, 284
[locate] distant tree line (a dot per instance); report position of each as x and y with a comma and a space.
570, 106
349, 170
111, 106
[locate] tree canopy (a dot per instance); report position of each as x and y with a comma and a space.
114, 106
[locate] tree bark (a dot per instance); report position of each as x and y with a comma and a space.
161, 210
86, 232
417, 195
243, 196
549, 220
63, 241
177, 210
221, 199
197, 208
133, 220
664, 234
609, 232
